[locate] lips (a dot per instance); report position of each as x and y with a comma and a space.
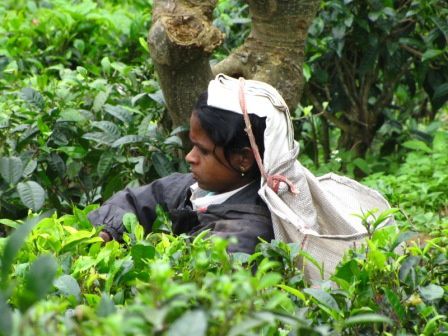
195, 177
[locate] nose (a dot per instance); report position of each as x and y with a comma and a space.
191, 158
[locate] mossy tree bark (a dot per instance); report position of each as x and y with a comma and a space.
182, 38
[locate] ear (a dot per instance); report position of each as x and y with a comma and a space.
243, 160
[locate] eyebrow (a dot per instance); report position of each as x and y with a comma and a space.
199, 145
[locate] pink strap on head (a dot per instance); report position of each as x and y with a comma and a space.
273, 181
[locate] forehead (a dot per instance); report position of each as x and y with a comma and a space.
197, 134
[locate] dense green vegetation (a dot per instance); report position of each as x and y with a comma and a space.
378, 64
81, 117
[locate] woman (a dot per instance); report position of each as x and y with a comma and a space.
220, 194
236, 177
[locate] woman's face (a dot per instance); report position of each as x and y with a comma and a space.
208, 163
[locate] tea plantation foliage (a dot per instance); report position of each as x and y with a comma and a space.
80, 116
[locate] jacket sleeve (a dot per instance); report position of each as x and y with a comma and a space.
247, 223
142, 201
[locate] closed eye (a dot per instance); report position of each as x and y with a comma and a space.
202, 149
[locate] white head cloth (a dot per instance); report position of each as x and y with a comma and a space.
320, 217
262, 100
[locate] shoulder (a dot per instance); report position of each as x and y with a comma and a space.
248, 195
176, 181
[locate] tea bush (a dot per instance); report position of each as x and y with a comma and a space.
419, 185
59, 278
80, 116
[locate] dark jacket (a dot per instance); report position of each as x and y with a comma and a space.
243, 215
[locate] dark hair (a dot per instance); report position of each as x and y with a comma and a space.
226, 129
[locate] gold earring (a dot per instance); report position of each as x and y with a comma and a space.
242, 171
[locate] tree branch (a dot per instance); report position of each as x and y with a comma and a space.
318, 106
182, 38
369, 80
386, 96
414, 52
344, 84
274, 50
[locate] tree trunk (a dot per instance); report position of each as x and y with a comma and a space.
182, 38
274, 50
358, 137
325, 139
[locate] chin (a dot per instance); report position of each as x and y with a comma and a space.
205, 186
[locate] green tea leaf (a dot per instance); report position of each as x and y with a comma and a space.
367, 318
402, 237
384, 216
14, 244
144, 44
30, 167
75, 152
6, 323
38, 281
408, 264
73, 168
31, 194
105, 163
417, 145
323, 297
395, 303
307, 257
9, 222
57, 164
11, 169
293, 291
162, 164
157, 97
376, 256
191, 323
162, 223
105, 64
269, 280
127, 139
119, 112
107, 127
173, 141
106, 306
79, 44
76, 238
431, 325
431, 292
140, 252
68, 286
71, 114
33, 97
101, 138
440, 96
440, 141
431, 53
130, 222
362, 164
